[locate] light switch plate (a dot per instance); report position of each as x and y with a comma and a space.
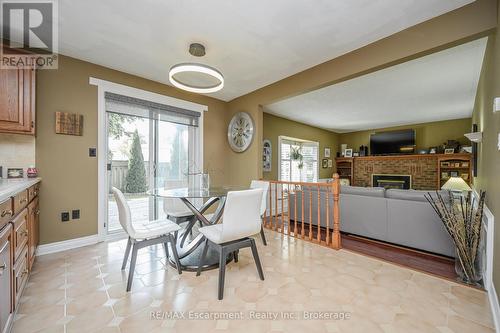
498, 142
496, 104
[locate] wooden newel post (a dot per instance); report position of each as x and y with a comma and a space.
336, 244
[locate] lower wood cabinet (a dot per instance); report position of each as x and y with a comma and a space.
20, 275
20, 224
6, 294
33, 230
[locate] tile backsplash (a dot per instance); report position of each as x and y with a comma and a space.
16, 151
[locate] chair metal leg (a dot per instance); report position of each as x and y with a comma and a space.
132, 266
256, 258
202, 258
165, 246
127, 252
263, 236
174, 253
222, 271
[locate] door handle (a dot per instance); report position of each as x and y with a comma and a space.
6, 212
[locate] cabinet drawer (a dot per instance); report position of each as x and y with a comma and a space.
5, 212
6, 307
20, 239
33, 191
20, 201
20, 275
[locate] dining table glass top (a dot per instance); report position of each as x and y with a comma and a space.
195, 192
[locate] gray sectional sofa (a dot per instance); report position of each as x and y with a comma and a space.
402, 217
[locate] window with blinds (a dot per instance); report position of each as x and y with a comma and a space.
136, 107
298, 170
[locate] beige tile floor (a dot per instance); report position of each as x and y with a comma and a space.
83, 290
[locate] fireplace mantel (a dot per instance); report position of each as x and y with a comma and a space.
423, 168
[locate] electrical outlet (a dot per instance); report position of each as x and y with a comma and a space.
64, 216
75, 214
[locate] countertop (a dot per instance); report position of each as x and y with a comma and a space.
9, 187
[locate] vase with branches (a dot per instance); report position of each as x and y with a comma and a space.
462, 217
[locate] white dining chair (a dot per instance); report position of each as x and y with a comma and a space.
264, 185
241, 220
145, 234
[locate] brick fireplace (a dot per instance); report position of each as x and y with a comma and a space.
423, 169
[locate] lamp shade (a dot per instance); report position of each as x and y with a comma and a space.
456, 184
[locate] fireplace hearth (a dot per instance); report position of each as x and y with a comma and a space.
401, 182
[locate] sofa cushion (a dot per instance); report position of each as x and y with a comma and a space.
365, 191
412, 195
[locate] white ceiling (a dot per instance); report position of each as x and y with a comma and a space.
436, 87
253, 43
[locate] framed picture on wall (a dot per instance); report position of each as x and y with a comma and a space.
330, 163
324, 163
327, 152
348, 152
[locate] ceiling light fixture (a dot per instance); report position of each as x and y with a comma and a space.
196, 50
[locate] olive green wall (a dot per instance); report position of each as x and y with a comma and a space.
464, 24
427, 134
69, 174
488, 178
275, 126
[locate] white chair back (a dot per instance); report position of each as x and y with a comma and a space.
265, 188
172, 206
241, 214
123, 211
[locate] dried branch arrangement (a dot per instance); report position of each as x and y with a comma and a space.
463, 221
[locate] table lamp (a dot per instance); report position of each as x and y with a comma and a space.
456, 184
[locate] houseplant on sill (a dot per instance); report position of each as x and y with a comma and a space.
296, 155
462, 218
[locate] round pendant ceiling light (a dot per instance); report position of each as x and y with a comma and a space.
194, 77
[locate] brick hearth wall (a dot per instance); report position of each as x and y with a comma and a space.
423, 171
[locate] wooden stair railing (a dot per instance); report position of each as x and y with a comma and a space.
280, 220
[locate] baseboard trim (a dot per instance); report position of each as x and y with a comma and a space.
495, 307
66, 245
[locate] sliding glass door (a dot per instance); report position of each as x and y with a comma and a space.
149, 145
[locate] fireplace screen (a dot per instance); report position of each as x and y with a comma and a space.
402, 182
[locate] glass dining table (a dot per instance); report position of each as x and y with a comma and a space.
189, 241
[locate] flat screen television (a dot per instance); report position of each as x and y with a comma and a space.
393, 142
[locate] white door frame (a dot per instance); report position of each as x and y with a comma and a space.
104, 86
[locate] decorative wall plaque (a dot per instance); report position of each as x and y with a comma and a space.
69, 123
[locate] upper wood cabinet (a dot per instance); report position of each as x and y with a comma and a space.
17, 101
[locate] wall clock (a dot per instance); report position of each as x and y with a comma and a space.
240, 132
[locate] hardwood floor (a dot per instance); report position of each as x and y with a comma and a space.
425, 262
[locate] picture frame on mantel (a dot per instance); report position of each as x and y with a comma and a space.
449, 151
348, 152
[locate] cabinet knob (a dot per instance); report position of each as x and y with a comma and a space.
23, 200
6, 212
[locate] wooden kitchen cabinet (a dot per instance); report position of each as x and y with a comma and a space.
6, 295
20, 238
17, 101
33, 230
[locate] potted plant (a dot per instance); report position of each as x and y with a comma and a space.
296, 155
